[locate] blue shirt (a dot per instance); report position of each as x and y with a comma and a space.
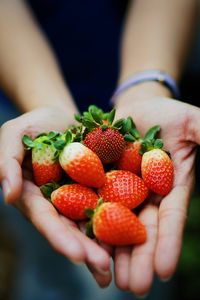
85, 36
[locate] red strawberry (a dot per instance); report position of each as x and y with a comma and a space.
101, 136
124, 187
45, 170
46, 167
82, 165
107, 143
71, 200
115, 224
158, 171
130, 158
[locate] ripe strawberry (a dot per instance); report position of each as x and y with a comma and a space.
82, 165
130, 158
124, 187
107, 143
71, 200
158, 171
46, 167
115, 224
103, 137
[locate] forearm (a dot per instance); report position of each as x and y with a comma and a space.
157, 35
29, 73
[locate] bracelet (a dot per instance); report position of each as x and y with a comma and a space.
149, 75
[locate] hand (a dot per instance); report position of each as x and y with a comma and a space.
63, 235
180, 131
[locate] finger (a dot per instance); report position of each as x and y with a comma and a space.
108, 248
46, 219
97, 258
11, 179
11, 157
122, 267
102, 278
96, 255
101, 272
142, 258
172, 218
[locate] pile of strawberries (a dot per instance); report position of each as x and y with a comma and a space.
102, 170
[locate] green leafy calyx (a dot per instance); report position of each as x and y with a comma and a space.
90, 214
150, 140
48, 188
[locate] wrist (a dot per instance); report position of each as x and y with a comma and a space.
143, 90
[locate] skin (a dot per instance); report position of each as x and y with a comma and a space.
150, 103
20, 191
36, 85
164, 218
31, 77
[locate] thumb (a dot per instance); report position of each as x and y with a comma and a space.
11, 179
11, 157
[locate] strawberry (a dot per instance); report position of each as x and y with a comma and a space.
107, 143
103, 137
71, 200
46, 167
116, 225
82, 165
130, 158
157, 171
124, 187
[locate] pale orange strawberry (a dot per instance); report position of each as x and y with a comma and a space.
82, 165
123, 187
158, 171
116, 225
72, 200
130, 158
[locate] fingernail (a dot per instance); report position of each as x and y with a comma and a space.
6, 188
101, 271
166, 279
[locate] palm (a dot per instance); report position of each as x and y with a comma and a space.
165, 223
63, 234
